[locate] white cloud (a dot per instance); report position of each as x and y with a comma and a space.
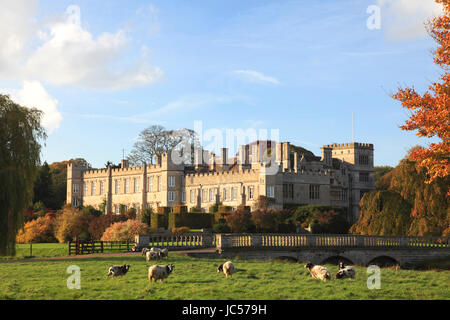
404, 19
254, 76
34, 95
16, 32
72, 55
66, 53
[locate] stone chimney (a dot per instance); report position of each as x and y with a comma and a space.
286, 156
124, 164
198, 157
327, 155
279, 153
224, 158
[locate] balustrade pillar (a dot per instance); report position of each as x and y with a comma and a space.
256, 240
223, 241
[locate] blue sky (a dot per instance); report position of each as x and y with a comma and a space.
103, 71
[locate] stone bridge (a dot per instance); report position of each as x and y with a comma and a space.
321, 249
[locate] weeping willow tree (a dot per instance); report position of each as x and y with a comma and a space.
20, 149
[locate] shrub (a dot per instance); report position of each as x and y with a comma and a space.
98, 225
264, 202
123, 231
158, 220
191, 220
180, 230
39, 230
196, 210
163, 210
215, 207
221, 227
225, 209
273, 221
146, 215
240, 221
90, 210
72, 223
180, 209
130, 214
329, 222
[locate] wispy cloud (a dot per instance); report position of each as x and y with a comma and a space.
254, 76
183, 105
371, 53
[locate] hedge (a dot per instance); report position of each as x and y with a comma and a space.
191, 220
158, 220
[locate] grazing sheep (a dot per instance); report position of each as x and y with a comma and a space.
144, 251
318, 272
151, 255
159, 272
345, 272
164, 253
118, 270
227, 268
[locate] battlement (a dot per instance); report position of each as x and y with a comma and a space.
350, 145
221, 173
128, 170
95, 172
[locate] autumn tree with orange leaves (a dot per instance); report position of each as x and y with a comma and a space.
431, 111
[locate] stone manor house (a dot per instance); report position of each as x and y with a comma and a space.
339, 177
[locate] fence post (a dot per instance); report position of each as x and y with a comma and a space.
77, 246
404, 241
69, 246
360, 241
256, 240
101, 246
206, 240
223, 241
310, 240
128, 246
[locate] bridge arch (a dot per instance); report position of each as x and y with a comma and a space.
335, 259
384, 261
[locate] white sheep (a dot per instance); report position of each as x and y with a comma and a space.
159, 272
227, 268
151, 255
318, 272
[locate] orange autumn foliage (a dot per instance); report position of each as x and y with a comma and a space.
431, 111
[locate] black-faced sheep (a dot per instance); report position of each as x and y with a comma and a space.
118, 270
345, 272
227, 268
318, 272
159, 272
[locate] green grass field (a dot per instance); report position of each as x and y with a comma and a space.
195, 279
39, 250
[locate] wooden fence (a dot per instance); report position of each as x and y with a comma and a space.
79, 246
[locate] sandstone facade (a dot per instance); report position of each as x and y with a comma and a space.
339, 177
